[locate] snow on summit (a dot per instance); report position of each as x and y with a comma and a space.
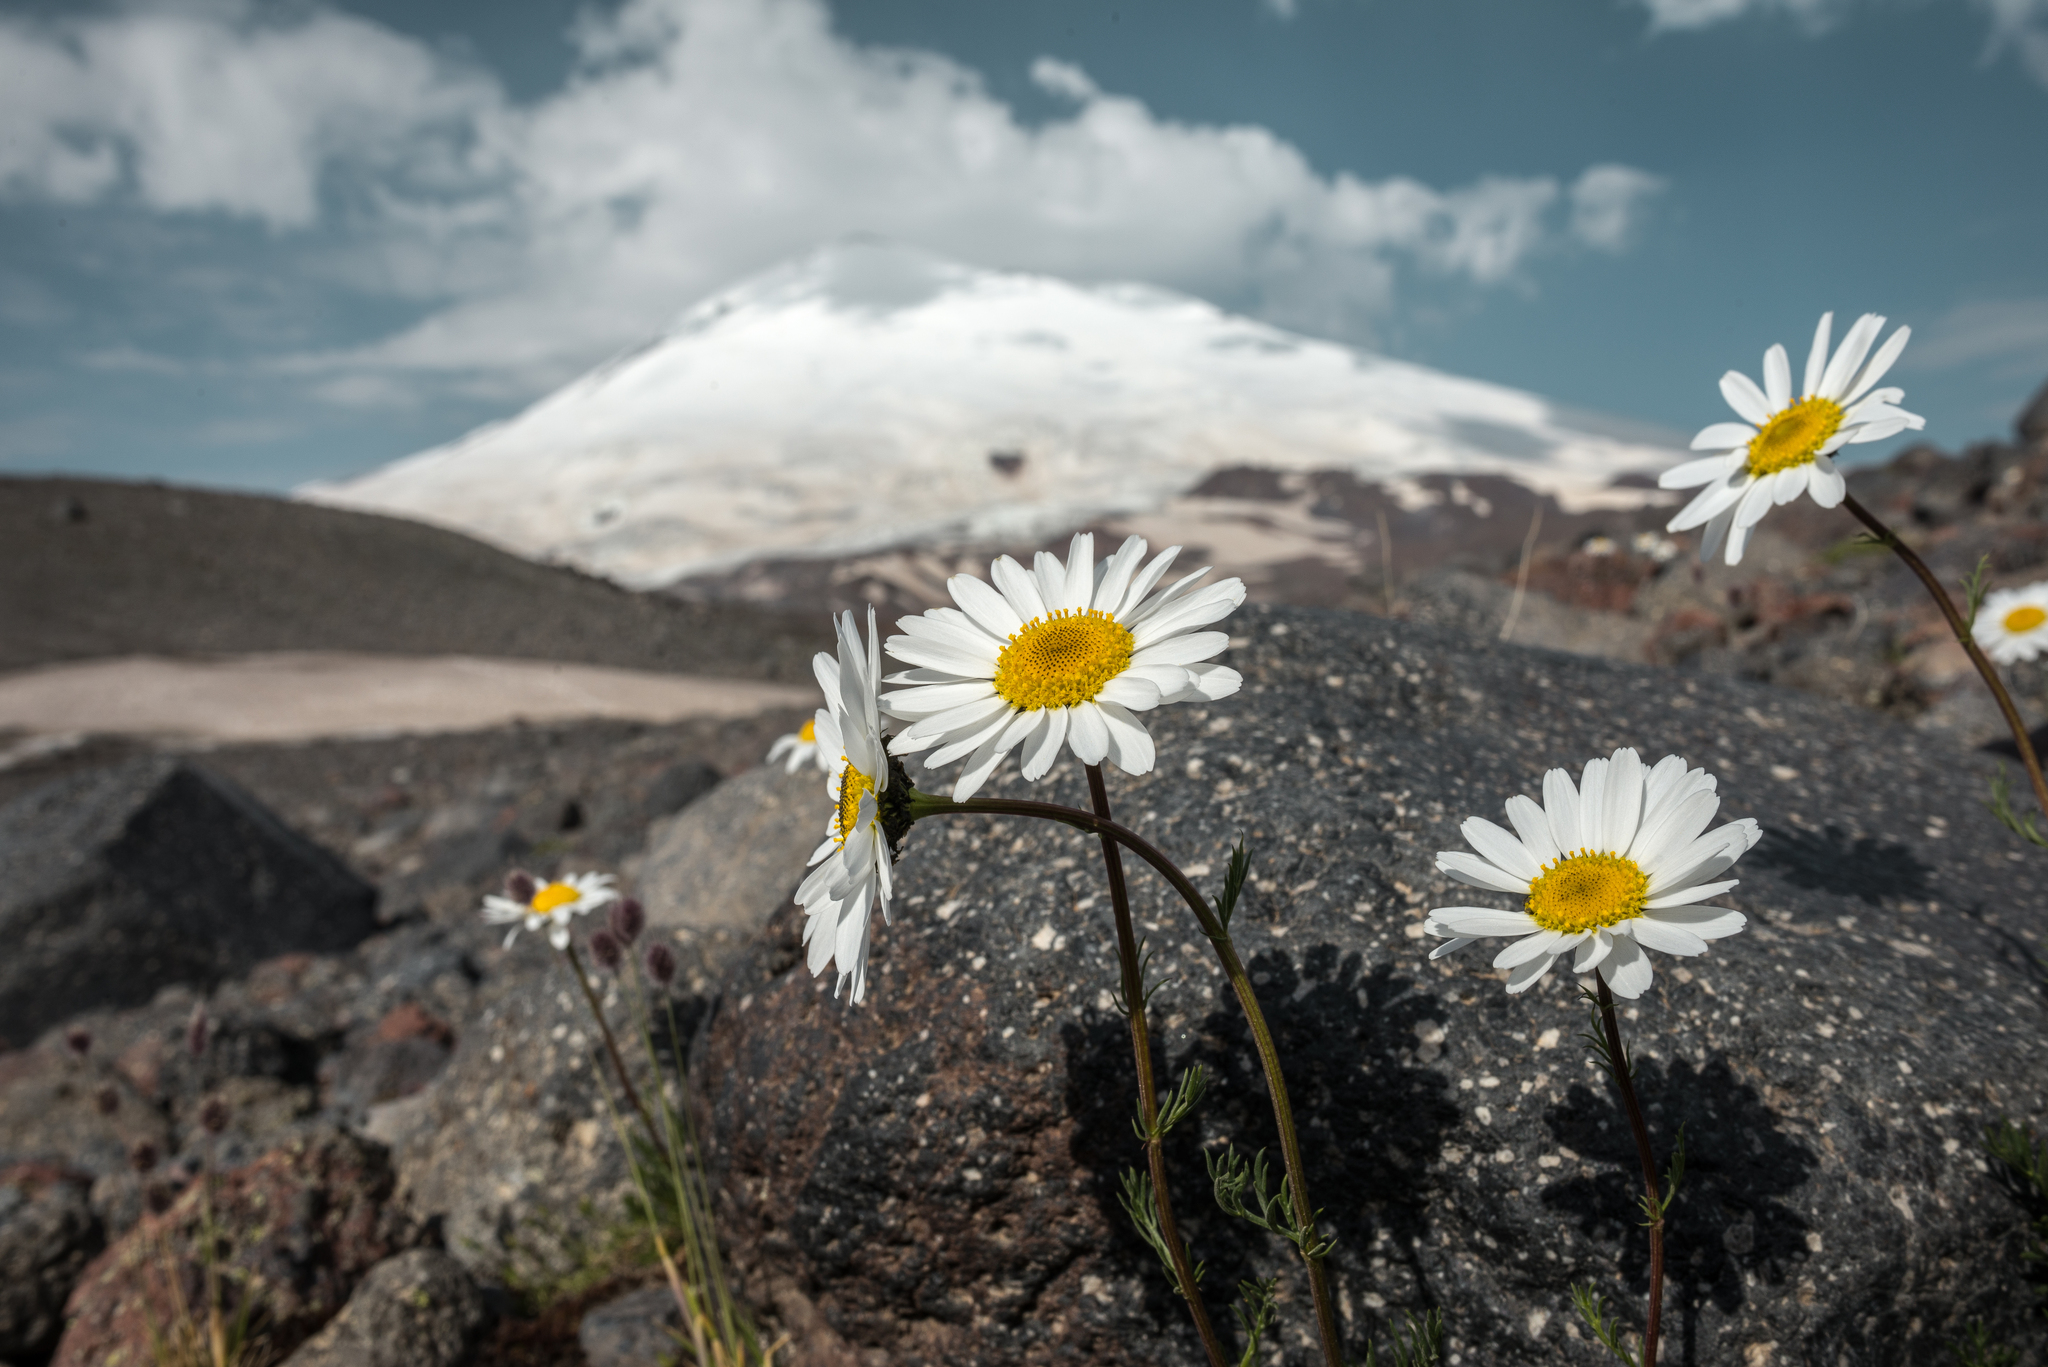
870, 395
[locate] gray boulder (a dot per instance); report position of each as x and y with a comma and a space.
633, 1330
48, 1233
125, 879
418, 1309
932, 1178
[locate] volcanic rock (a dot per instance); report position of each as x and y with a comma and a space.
47, 1235
419, 1309
933, 1176
125, 879
627, 1331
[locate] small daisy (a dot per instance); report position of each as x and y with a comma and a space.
552, 905
802, 748
1782, 449
850, 870
1062, 653
1611, 868
2012, 624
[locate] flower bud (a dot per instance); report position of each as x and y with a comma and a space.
107, 1100
520, 886
142, 1157
606, 949
628, 919
79, 1040
661, 963
196, 1032
213, 1115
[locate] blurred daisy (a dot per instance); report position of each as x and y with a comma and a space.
1782, 448
849, 875
1609, 869
552, 906
802, 748
1064, 653
2012, 624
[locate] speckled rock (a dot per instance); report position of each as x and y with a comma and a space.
300, 1226
931, 1178
48, 1233
124, 879
419, 1309
631, 1330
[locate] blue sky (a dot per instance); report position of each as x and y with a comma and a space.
253, 244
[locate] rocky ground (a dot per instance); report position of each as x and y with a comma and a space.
930, 1179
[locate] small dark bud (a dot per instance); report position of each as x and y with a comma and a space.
196, 1032
661, 963
107, 1100
157, 1197
520, 887
628, 919
606, 949
142, 1157
79, 1040
213, 1115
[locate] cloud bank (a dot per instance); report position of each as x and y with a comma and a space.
695, 141
2019, 27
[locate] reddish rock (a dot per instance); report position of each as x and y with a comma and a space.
302, 1225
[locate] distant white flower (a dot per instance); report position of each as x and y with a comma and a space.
1611, 868
552, 907
802, 748
2012, 624
1782, 449
849, 877
1062, 653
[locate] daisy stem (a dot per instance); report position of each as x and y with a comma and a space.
1966, 639
611, 1045
1654, 1205
922, 805
1148, 1092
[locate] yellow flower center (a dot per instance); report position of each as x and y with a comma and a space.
808, 732
552, 896
2024, 619
1585, 890
1062, 659
1794, 436
852, 783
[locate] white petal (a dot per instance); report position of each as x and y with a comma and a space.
1470, 868
1593, 805
1561, 805
1593, 949
954, 659
1834, 384
990, 610
1079, 591
1692, 896
1531, 973
1042, 746
1756, 501
1130, 744
1211, 603
932, 700
1503, 850
954, 744
980, 765
1777, 378
1625, 775
1451, 946
1191, 648
1144, 582
1720, 436
1126, 690
1527, 948
1018, 586
1627, 969
1709, 923
1826, 484
1676, 826
1817, 358
1211, 683
1879, 364
1479, 921
1533, 827
1745, 398
1663, 935
1088, 734
1736, 534
1787, 485
1710, 502
1051, 578
1116, 576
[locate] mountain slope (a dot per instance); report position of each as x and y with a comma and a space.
870, 395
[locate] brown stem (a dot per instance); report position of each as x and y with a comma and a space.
1247, 1000
611, 1046
1966, 639
1655, 1206
1148, 1092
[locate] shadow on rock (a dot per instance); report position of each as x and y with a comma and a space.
1861, 866
1731, 1218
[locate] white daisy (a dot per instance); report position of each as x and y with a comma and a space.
850, 869
1610, 869
2012, 624
802, 748
553, 904
1062, 653
1782, 449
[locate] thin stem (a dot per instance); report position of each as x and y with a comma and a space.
611, 1045
1654, 1206
1966, 639
923, 805
1148, 1092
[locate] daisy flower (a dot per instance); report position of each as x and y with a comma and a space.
849, 875
551, 906
2012, 624
1611, 868
1783, 448
802, 748
1064, 653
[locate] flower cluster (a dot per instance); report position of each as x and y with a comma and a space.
528, 905
2012, 624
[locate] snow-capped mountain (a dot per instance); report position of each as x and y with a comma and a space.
870, 395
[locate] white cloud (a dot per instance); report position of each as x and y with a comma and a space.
1282, 9
2017, 26
702, 139
1694, 14
2007, 337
